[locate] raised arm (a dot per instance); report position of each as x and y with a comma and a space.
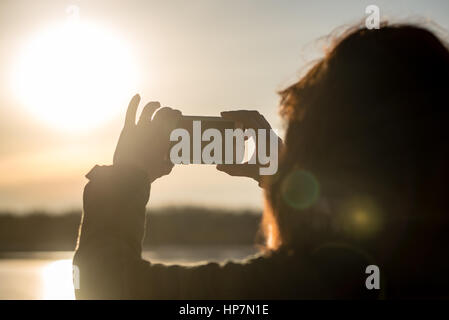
108, 260
114, 202
108, 257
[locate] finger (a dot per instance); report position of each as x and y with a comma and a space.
246, 117
238, 115
239, 170
262, 121
130, 119
167, 118
167, 168
163, 168
148, 111
167, 113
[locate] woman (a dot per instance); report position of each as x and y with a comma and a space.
362, 181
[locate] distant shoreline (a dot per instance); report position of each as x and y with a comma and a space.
190, 226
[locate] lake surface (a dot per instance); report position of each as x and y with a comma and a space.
48, 275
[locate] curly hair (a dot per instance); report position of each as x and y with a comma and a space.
367, 124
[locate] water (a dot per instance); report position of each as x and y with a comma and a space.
48, 275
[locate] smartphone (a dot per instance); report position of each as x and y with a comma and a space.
196, 126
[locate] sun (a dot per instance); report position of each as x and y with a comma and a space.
75, 76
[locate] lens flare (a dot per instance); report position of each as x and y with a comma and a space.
300, 189
361, 216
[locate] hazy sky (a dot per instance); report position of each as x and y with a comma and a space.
199, 56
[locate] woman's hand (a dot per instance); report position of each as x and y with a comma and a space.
145, 145
249, 119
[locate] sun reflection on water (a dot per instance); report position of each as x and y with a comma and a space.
57, 281
48, 275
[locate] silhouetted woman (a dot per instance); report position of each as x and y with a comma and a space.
363, 180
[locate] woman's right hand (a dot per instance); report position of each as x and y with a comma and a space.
249, 119
145, 145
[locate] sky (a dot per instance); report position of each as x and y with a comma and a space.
58, 118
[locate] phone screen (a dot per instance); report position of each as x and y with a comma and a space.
196, 125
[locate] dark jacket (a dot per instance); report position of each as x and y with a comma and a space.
109, 263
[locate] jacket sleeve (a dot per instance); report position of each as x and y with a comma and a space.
108, 260
108, 263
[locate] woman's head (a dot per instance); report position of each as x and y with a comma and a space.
366, 137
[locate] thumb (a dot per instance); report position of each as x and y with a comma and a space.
240, 170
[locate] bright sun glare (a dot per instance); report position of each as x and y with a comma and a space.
57, 281
75, 76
